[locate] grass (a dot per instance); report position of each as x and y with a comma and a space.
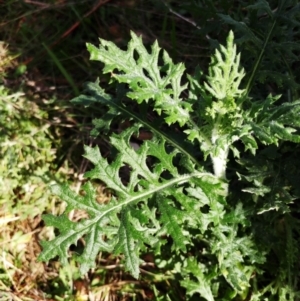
43, 64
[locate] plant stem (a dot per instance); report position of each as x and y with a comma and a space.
220, 159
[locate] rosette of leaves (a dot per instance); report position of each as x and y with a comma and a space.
171, 192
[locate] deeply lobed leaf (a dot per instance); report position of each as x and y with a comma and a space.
103, 230
146, 79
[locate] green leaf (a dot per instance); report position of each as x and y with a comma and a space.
70, 231
129, 238
95, 94
202, 286
247, 33
250, 143
262, 5
104, 230
225, 74
263, 134
172, 220
287, 114
231, 251
271, 123
283, 133
146, 79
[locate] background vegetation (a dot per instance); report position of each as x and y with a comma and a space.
44, 63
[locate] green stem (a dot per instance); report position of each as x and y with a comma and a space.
259, 59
